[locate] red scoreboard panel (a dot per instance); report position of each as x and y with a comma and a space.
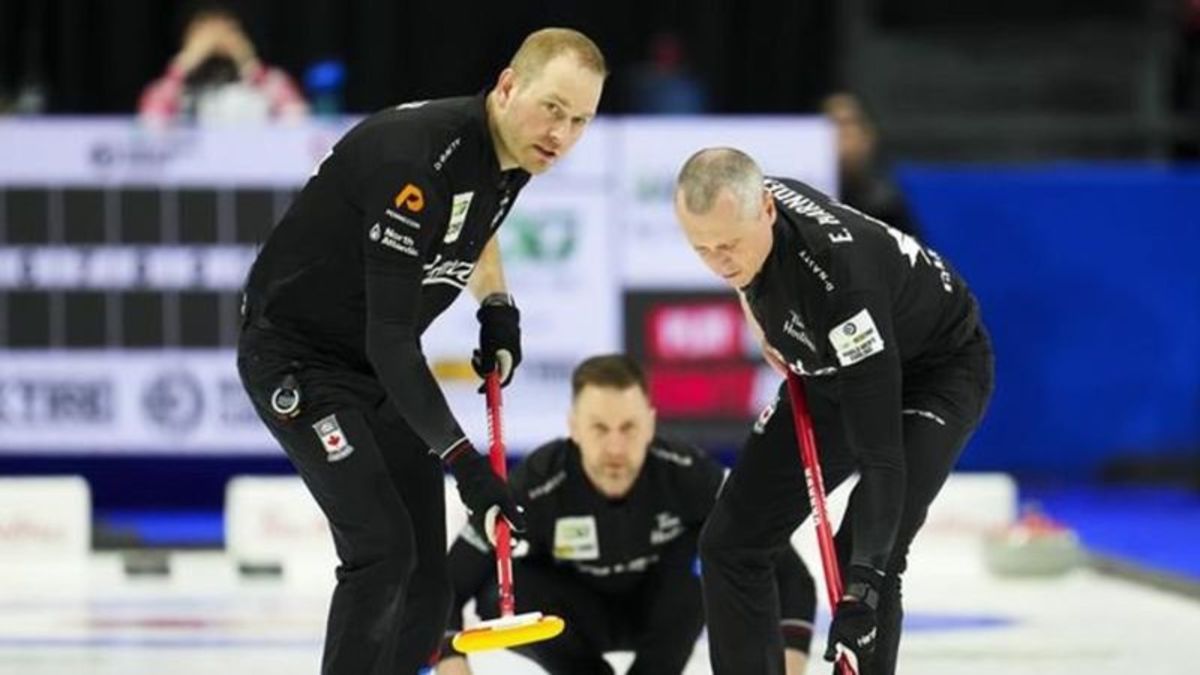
704, 369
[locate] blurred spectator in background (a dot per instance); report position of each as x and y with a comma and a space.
664, 85
864, 180
217, 77
324, 81
23, 88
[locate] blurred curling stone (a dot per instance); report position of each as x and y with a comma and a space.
272, 524
259, 569
146, 563
1033, 546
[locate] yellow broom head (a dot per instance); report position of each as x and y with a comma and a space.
508, 631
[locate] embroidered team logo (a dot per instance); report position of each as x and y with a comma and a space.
760, 424
333, 439
458, 216
795, 328
575, 538
856, 339
667, 527
410, 198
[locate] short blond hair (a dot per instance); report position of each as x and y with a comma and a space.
541, 46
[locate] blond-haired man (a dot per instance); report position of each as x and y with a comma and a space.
394, 223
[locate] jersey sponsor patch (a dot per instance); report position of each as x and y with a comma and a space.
795, 328
333, 440
446, 152
458, 216
856, 339
667, 526
575, 538
817, 270
410, 197
454, 273
397, 241
400, 217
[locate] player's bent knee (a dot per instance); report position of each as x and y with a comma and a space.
435, 592
387, 558
716, 540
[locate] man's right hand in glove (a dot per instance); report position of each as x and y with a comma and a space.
854, 630
482, 491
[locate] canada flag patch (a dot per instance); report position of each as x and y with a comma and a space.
337, 447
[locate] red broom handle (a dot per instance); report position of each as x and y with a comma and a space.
816, 496
503, 537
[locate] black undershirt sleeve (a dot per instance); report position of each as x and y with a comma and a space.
869, 381
403, 214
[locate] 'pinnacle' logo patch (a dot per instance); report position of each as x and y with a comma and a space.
410, 197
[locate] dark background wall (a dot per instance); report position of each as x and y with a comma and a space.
94, 56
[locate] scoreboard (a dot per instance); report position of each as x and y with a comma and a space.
123, 249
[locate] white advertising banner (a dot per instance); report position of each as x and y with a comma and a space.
126, 402
113, 151
97, 152
654, 253
172, 402
558, 265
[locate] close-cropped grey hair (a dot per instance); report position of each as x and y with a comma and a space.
707, 171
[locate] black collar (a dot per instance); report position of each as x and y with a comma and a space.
512, 179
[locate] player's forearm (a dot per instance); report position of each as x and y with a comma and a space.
488, 276
401, 367
871, 400
870, 384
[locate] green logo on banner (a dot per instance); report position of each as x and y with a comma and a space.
540, 237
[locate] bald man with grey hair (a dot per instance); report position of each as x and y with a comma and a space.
898, 368
709, 171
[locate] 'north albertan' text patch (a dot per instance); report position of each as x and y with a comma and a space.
856, 339
392, 239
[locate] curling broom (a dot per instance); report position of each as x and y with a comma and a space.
510, 630
816, 495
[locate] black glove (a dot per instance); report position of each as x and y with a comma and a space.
499, 338
481, 490
854, 628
